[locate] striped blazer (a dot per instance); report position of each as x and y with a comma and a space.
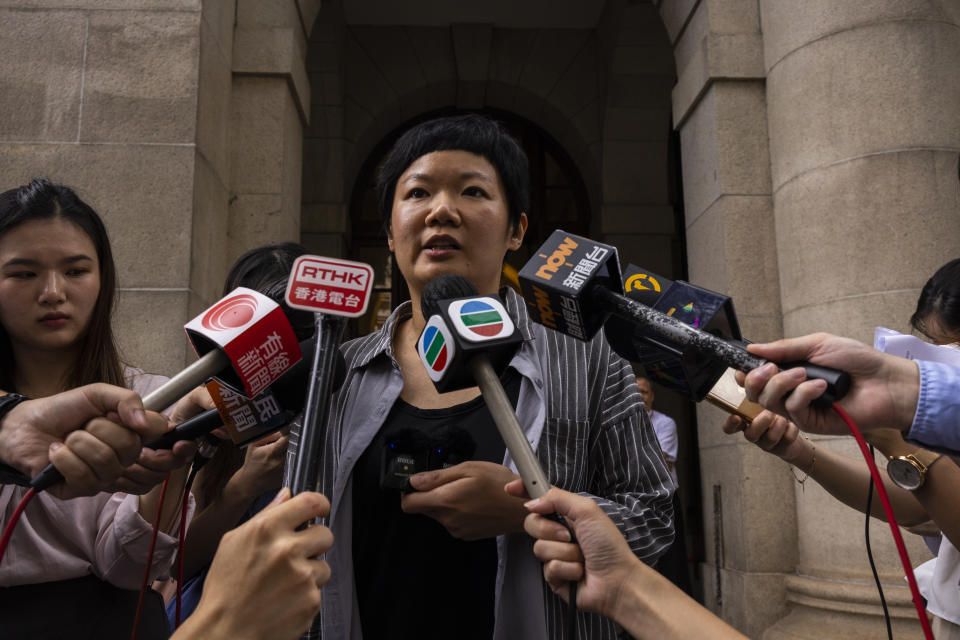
579, 407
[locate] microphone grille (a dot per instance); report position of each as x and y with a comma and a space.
444, 287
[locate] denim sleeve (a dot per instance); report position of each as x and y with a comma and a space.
936, 424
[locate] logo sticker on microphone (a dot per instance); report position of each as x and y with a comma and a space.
254, 333
330, 285
436, 347
481, 319
231, 313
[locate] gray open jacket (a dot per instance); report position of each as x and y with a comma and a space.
580, 409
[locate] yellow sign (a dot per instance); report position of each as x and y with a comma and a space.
634, 283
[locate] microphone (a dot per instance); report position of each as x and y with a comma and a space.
334, 290
245, 336
464, 336
581, 278
409, 451
678, 367
271, 410
460, 325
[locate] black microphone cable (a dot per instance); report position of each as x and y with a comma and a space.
873, 566
208, 447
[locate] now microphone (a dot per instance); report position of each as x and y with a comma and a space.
573, 285
464, 336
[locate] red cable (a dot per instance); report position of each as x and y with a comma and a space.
146, 572
891, 520
183, 535
8, 530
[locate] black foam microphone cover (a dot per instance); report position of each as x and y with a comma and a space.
445, 287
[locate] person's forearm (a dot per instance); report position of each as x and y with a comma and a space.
938, 497
208, 526
207, 624
652, 608
171, 502
847, 480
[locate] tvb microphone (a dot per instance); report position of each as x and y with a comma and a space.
467, 338
334, 290
244, 338
572, 284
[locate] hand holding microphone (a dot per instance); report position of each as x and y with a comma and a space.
883, 393
51, 429
268, 565
573, 284
244, 337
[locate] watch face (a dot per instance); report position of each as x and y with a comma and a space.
904, 474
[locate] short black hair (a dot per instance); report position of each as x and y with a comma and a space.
470, 132
939, 301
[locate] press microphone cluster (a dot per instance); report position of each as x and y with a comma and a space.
244, 338
573, 285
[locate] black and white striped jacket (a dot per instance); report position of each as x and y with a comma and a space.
581, 410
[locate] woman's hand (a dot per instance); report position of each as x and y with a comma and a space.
467, 499
153, 466
262, 468
266, 577
601, 560
90, 434
883, 388
774, 434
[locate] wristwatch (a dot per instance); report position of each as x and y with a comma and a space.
910, 471
9, 475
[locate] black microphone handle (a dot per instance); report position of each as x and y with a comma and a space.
313, 432
534, 479
838, 382
190, 429
199, 425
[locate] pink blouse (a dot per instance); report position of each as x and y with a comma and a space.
102, 535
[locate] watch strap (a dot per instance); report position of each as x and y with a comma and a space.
9, 475
925, 457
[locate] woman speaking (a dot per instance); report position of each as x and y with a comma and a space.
448, 557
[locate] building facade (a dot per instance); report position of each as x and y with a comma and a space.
801, 157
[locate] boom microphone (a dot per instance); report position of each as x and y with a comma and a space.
572, 284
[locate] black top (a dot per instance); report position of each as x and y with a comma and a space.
413, 579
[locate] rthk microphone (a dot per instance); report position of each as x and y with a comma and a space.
244, 338
467, 339
334, 290
572, 284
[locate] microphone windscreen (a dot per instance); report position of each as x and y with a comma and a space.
445, 287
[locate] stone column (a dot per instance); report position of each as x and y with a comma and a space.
103, 97
270, 105
719, 107
862, 105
